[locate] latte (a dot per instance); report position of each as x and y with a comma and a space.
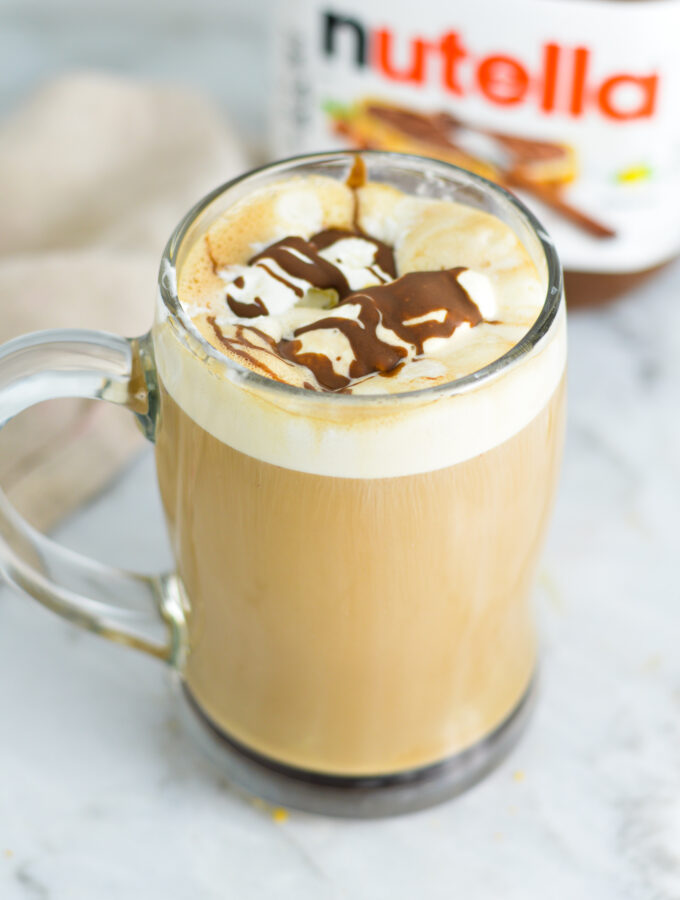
357, 551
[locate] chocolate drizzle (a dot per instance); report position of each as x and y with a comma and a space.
416, 307
247, 310
384, 254
300, 259
241, 345
395, 318
356, 179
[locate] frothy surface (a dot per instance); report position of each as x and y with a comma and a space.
310, 431
252, 301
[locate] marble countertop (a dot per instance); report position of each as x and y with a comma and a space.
103, 795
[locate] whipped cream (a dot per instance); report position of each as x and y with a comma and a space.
356, 259
289, 255
376, 320
267, 287
339, 436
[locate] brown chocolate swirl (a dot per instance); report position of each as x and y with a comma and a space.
416, 307
390, 322
247, 310
305, 263
299, 259
384, 254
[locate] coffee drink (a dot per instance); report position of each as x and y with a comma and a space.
356, 501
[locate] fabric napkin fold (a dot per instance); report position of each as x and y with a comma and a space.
95, 172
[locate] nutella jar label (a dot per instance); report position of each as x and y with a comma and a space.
572, 105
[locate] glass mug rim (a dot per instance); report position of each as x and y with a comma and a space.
201, 348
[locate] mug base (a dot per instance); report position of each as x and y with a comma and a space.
361, 797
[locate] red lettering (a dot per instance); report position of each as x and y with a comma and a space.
502, 80
452, 52
563, 82
578, 81
551, 55
415, 70
644, 86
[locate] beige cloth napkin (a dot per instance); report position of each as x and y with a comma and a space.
95, 172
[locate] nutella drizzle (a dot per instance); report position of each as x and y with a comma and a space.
240, 344
384, 254
414, 296
304, 262
356, 179
211, 255
247, 310
415, 307
299, 258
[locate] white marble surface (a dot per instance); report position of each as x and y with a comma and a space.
102, 795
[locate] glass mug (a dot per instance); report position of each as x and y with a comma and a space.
355, 645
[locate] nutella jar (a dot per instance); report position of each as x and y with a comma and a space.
569, 103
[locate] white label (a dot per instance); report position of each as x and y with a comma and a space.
573, 105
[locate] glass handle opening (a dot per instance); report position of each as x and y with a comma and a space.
142, 611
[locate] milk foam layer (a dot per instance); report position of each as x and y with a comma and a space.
426, 234
383, 437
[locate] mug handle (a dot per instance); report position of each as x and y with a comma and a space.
141, 611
